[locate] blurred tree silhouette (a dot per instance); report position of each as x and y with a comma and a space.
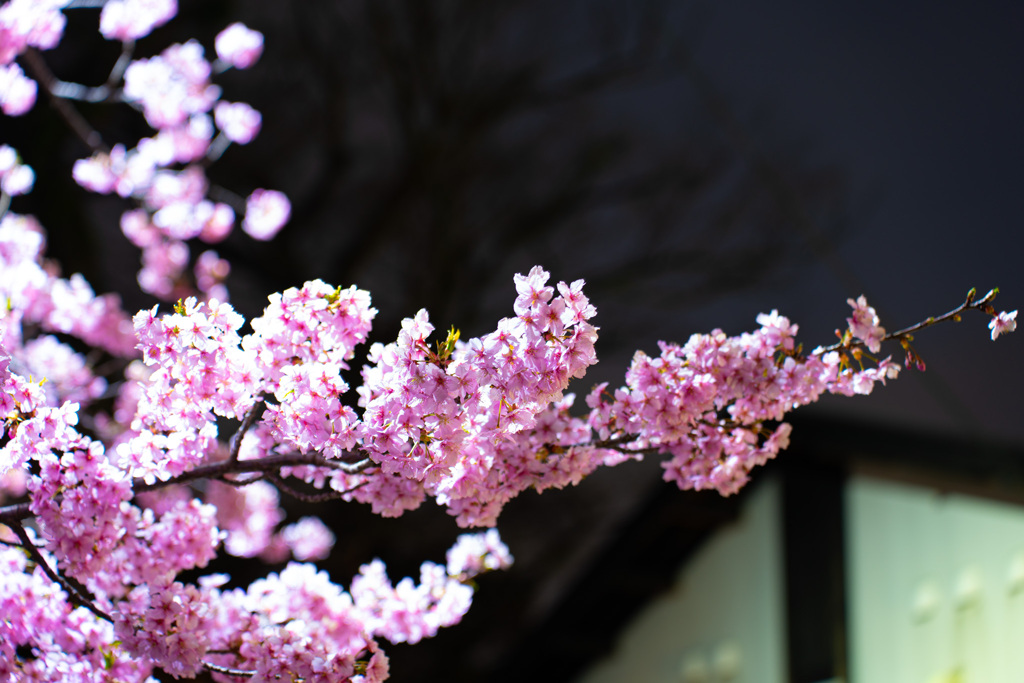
433, 149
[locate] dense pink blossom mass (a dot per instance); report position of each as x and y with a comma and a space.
104, 507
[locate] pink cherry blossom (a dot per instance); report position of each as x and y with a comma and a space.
308, 539
17, 91
864, 324
247, 515
238, 121
122, 171
1002, 323
219, 224
474, 554
97, 172
23, 23
15, 177
163, 263
171, 86
470, 423
266, 212
68, 376
133, 19
166, 625
239, 45
210, 272
183, 143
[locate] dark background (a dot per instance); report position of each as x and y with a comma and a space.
697, 163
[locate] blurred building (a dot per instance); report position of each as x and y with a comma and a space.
864, 555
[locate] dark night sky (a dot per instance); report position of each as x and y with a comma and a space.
921, 106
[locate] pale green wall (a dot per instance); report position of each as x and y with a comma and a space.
935, 586
935, 593
722, 621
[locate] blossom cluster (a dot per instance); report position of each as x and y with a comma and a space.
163, 174
458, 423
69, 643
468, 423
706, 402
36, 296
293, 623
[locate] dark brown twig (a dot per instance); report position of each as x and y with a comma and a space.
262, 465
247, 423
982, 304
227, 671
282, 485
74, 594
127, 50
12, 514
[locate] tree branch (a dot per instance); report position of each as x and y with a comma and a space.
74, 594
983, 304
263, 465
227, 671
281, 485
11, 515
247, 423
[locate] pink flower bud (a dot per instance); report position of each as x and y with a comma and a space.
1003, 323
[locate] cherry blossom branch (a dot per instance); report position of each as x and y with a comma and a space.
82, 93
121, 65
617, 444
11, 515
218, 146
261, 465
282, 485
247, 422
613, 442
227, 671
74, 594
240, 483
983, 304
